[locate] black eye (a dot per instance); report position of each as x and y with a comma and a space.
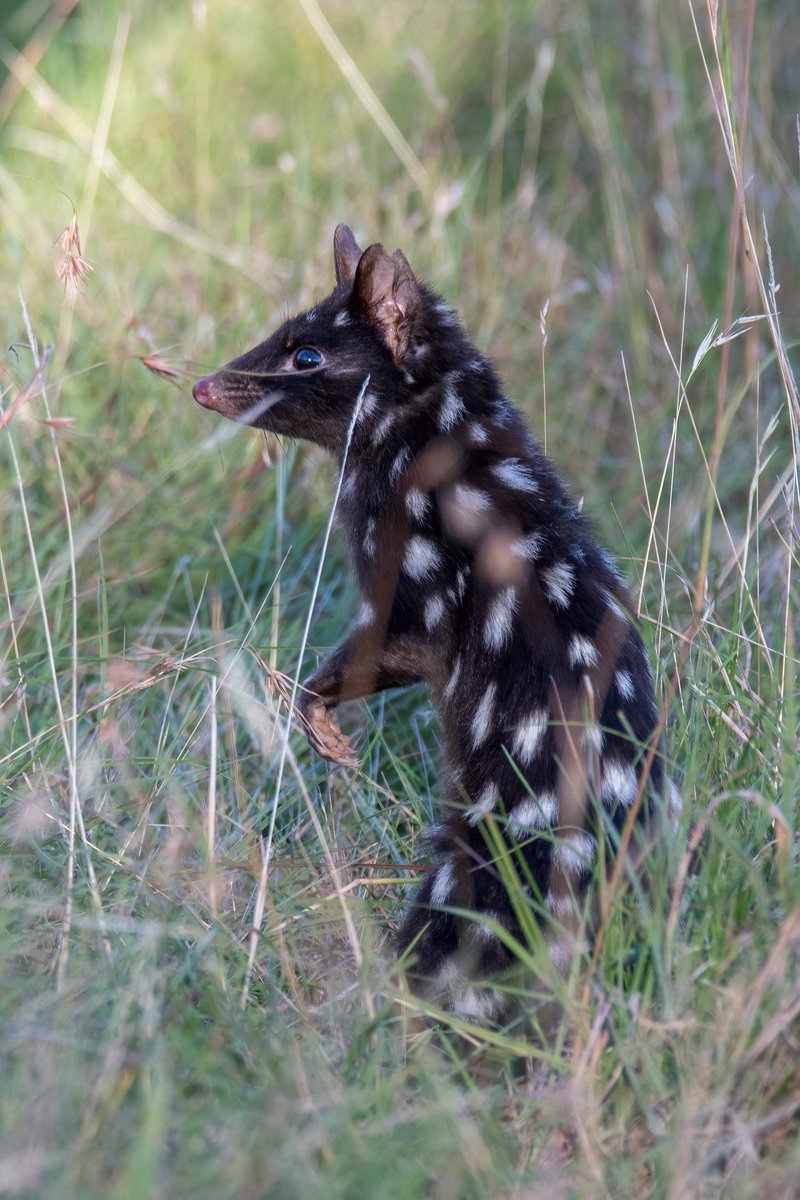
306, 358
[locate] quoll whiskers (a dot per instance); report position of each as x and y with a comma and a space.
480, 576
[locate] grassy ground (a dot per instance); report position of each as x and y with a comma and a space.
572, 176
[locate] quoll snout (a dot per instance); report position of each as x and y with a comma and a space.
206, 392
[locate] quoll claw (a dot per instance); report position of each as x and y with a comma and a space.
325, 736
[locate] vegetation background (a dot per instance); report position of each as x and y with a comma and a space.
608, 191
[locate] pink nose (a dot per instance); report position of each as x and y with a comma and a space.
205, 392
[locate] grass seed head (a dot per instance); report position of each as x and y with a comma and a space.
74, 268
159, 366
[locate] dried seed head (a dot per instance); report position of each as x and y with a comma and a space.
74, 269
70, 238
159, 366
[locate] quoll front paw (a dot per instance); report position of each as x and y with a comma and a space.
325, 736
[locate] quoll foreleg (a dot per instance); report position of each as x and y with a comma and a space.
362, 665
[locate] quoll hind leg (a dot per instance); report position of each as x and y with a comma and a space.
451, 960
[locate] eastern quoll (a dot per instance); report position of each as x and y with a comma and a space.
479, 576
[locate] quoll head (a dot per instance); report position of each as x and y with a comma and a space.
304, 380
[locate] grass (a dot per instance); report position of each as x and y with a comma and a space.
610, 197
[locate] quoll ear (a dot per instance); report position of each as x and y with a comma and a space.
386, 291
346, 253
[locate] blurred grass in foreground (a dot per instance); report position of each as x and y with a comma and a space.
561, 174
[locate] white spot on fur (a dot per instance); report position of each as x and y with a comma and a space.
482, 720
421, 558
593, 736
417, 503
453, 680
559, 906
463, 511
452, 409
482, 929
624, 684
581, 652
487, 802
515, 474
341, 319
366, 614
368, 406
559, 580
619, 784
461, 581
616, 608
529, 546
445, 313
443, 883
433, 612
478, 435
528, 736
449, 976
575, 852
474, 1005
311, 314
369, 538
560, 956
500, 618
384, 425
610, 564
396, 469
471, 500
348, 486
534, 812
